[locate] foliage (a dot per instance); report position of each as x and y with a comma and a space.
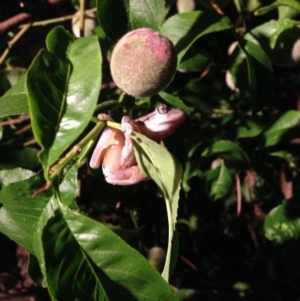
229, 223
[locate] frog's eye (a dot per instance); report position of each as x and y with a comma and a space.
162, 109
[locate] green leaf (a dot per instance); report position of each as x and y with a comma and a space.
283, 222
156, 162
14, 101
176, 102
9, 176
184, 29
257, 53
248, 129
113, 17
228, 150
20, 212
284, 128
147, 13
288, 157
282, 26
291, 3
195, 62
219, 182
63, 89
84, 260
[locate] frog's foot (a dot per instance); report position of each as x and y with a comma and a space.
127, 176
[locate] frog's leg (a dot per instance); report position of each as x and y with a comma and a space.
106, 139
127, 158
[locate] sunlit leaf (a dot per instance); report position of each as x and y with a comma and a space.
156, 162
103, 267
63, 86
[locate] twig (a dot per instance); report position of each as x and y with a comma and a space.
57, 20
12, 42
12, 121
81, 20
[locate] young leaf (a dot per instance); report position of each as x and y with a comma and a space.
147, 13
103, 267
156, 162
63, 86
184, 29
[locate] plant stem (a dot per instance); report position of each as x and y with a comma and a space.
76, 150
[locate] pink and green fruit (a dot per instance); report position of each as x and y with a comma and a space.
143, 62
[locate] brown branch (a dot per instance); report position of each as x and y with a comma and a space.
12, 42
23, 17
14, 21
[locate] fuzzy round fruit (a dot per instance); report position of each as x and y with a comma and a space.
143, 62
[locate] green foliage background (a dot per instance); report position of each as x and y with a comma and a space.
224, 200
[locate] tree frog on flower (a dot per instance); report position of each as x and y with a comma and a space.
114, 149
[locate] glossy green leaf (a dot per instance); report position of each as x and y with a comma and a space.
14, 101
63, 88
291, 3
8, 176
176, 102
228, 150
184, 29
113, 17
219, 182
147, 13
283, 223
20, 212
283, 129
103, 267
156, 162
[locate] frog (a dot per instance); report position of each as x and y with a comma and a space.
115, 152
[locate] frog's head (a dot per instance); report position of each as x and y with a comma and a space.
161, 123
